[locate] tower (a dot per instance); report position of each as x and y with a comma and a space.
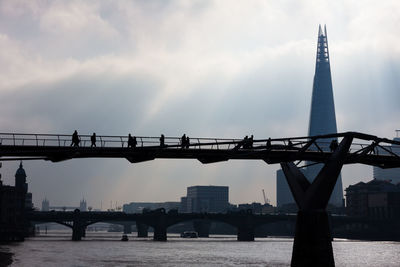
20, 179
322, 113
45, 205
322, 121
83, 205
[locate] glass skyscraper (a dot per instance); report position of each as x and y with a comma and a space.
322, 117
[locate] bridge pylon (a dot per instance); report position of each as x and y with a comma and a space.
313, 240
142, 229
78, 227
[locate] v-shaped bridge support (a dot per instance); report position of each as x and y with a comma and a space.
312, 242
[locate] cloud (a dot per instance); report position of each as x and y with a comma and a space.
205, 68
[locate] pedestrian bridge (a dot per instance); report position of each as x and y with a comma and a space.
365, 148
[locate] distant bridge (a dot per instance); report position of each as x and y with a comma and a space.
369, 149
245, 222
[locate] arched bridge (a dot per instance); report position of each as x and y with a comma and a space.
245, 222
365, 149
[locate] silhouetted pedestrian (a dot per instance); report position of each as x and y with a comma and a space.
290, 144
183, 141
162, 141
334, 144
246, 142
132, 141
250, 142
75, 139
93, 140
269, 143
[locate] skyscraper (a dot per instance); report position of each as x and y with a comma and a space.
322, 114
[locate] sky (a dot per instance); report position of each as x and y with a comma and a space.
204, 68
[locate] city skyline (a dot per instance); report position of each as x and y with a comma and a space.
207, 70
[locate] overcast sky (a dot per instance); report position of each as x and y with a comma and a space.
204, 68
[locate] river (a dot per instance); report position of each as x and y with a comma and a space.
106, 249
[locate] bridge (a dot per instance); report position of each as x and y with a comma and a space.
370, 150
244, 222
313, 241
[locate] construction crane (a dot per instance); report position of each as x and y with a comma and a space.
266, 200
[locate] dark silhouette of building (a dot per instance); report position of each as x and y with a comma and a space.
14, 202
322, 119
375, 199
83, 205
206, 199
45, 205
393, 174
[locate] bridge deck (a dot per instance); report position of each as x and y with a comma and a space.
370, 150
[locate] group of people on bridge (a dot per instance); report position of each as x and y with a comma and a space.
132, 141
246, 143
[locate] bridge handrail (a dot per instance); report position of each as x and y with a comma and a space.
63, 140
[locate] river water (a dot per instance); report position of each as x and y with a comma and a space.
106, 249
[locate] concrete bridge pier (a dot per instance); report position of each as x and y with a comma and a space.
78, 227
142, 229
127, 228
160, 226
245, 233
312, 244
78, 231
202, 227
160, 233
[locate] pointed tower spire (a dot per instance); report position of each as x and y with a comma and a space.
322, 113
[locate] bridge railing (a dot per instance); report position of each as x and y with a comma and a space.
63, 140
322, 143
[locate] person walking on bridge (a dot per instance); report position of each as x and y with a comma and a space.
162, 141
183, 141
334, 144
132, 141
93, 140
75, 139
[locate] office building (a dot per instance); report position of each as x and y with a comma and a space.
375, 199
322, 119
392, 175
206, 199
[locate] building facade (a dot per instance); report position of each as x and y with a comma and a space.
14, 202
392, 175
375, 199
322, 119
206, 199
